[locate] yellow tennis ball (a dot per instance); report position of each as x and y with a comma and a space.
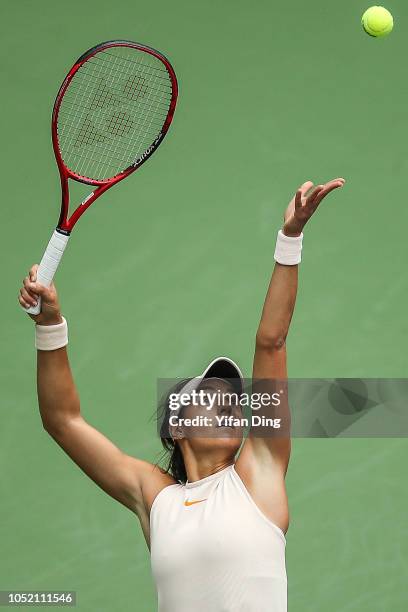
377, 21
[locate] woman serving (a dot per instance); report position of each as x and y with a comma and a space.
215, 520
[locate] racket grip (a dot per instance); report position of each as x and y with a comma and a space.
49, 264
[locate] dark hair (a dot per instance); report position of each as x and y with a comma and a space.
172, 452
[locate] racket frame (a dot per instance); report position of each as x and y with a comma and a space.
65, 223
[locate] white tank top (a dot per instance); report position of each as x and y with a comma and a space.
213, 550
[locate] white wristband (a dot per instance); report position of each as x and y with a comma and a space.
51, 337
288, 250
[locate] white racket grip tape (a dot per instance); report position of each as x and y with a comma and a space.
49, 264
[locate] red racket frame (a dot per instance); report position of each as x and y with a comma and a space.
65, 224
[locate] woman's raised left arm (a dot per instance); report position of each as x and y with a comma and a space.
264, 457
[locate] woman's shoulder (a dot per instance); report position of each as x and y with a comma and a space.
155, 480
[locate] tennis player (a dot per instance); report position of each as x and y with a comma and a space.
215, 520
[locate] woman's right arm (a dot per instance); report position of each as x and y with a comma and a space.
131, 481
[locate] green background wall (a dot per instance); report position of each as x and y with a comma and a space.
170, 269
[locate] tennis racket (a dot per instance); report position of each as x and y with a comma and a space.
111, 113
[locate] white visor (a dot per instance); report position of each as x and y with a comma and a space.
221, 367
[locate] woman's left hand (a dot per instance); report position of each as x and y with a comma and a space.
302, 206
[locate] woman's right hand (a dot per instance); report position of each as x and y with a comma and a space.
30, 291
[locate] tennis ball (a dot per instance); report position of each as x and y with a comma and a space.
377, 21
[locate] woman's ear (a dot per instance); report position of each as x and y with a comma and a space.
176, 432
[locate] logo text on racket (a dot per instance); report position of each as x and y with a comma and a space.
88, 197
148, 151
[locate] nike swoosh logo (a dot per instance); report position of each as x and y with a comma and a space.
196, 501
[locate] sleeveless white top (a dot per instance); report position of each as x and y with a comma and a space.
213, 550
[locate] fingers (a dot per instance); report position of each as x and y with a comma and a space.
23, 303
30, 290
35, 289
311, 199
305, 187
298, 199
26, 299
330, 186
321, 192
334, 184
33, 273
301, 192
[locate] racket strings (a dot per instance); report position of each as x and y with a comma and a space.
157, 66
159, 73
135, 87
162, 78
71, 111
104, 101
119, 124
100, 137
89, 133
112, 111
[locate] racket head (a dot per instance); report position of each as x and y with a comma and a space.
112, 111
